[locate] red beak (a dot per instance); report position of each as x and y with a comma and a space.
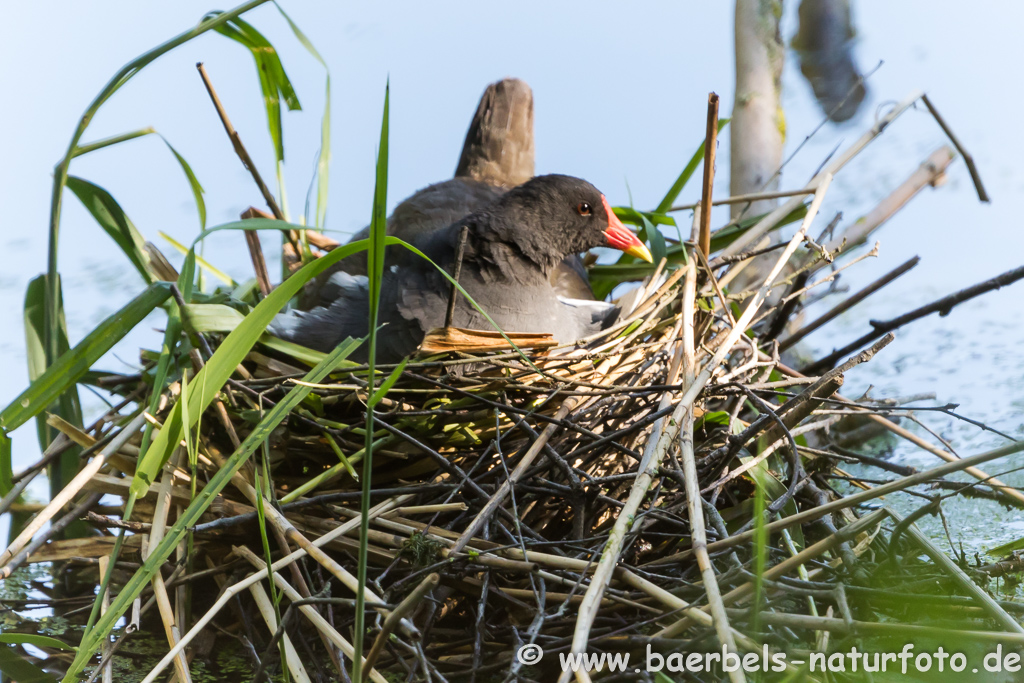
621, 238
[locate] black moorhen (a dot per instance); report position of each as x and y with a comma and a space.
511, 249
497, 155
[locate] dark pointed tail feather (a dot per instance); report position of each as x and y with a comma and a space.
499, 143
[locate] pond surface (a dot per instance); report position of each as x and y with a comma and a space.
620, 99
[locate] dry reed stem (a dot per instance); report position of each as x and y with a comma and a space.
746, 198
965, 582
655, 450
287, 531
710, 151
848, 303
930, 172
67, 493
228, 594
694, 502
901, 432
156, 534
266, 608
853, 500
833, 167
785, 566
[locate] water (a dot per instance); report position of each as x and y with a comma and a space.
620, 99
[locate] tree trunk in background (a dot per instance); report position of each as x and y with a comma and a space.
758, 125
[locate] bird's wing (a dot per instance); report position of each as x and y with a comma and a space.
324, 327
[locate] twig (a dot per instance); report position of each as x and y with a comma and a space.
506, 486
960, 577
833, 167
710, 149
457, 270
236, 142
110, 522
67, 493
931, 172
848, 303
404, 608
745, 198
941, 306
997, 485
968, 159
792, 562
855, 499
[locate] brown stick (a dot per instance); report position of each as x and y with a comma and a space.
710, 148
455, 276
243, 154
968, 159
410, 602
941, 306
236, 142
259, 264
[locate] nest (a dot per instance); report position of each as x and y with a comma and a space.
668, 486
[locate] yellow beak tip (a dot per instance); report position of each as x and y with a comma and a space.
640, 251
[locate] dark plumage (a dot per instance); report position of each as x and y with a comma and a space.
512, 248
497, 155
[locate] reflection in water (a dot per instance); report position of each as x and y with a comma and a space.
823, 43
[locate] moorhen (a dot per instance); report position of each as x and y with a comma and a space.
512, 247
497, 155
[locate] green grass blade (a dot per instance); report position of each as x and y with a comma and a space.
684, 177
33, 639
628, 214
17, 668
386, 385
35, 353
375, 273
71, 365
200, 261
52, 307
760, 557
230, 353
274, 82
112, 218
6, 483
113, 140
93, 638
324, 161
652, 235
193, 183
68, 405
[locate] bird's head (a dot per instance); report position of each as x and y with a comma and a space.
557, 215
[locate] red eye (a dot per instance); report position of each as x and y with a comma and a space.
583, 209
